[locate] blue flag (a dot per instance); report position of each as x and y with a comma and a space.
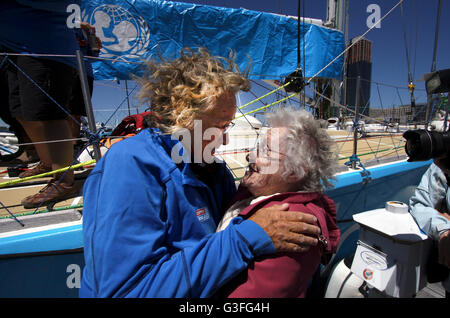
133, 31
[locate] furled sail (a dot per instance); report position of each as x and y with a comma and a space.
132, 31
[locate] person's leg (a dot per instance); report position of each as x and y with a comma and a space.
75, 127
35, 132
58, 154
10, 98
46, 123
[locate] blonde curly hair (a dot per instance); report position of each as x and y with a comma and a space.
184, 89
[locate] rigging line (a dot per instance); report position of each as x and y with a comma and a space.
351, 45
361, 112
339, 149
36, 54
406, 44
12, 215
62, 208
345, 107
107, 59
118, 107
368, 145
417, 34
69, 55
46, 174
384, 84
119, 58
256, 96
261, 85
43, 91
436, 36
49, 141
240, 110
115, 86
270, 89
272, 75
269, 105
381, 103
265, 95
3, 61
399, 97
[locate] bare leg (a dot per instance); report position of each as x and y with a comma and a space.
56, 154
74, 127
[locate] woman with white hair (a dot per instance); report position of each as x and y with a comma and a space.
292, 163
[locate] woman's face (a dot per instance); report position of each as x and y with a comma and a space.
213, 127
263, 176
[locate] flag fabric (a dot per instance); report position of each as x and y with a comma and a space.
134, 31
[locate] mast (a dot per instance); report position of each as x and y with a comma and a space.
433, 64
356, 122
87, 102
128, 99
337, 18
411, 85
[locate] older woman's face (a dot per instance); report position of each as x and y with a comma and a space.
266, 164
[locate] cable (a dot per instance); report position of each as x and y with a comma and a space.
351, 45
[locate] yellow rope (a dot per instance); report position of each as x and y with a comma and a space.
269, 105
7, 183
261, 97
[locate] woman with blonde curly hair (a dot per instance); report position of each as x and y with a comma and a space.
149, 221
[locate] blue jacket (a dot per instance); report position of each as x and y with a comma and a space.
431, 195
149, 224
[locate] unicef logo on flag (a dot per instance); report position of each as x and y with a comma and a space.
124, 35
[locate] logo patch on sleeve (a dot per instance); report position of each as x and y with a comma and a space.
202, 214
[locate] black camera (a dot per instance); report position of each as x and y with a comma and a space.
422, 145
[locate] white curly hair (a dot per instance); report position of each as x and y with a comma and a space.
310, 150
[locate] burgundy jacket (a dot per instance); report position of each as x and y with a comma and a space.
287, 275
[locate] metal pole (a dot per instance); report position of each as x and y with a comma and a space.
433, 64
128, 100
298, 35
436, 36
87, 101
355, 128
344, 93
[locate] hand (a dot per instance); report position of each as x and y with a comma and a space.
99, 42
87, 27
444, 249
290, 232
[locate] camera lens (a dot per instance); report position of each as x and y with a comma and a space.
423, 145
413, 147
419, 145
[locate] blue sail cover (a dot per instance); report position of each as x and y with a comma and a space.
133, 31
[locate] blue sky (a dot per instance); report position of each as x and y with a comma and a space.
389, 66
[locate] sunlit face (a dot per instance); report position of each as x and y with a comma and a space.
263, 176
214, 126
